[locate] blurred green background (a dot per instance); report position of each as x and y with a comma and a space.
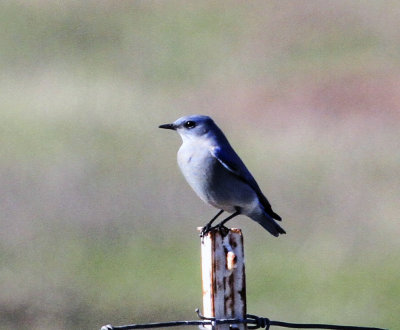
97, 224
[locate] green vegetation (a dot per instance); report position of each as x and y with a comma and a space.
98, 226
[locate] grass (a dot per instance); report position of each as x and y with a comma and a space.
97, 224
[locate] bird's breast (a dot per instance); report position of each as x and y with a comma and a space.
197, 166
211, 181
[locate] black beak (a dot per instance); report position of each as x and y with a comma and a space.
168, 126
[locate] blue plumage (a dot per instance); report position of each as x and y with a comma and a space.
217, 174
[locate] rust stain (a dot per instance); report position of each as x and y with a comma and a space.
213, 289
231, 281
227, 269
226, 298
232, 241
243, 291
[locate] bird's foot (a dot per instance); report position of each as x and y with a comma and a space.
205, 230
221, 228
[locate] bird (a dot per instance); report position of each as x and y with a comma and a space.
218, 176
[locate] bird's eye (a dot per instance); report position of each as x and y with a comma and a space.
189, 124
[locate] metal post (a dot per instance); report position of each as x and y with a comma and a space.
223, 277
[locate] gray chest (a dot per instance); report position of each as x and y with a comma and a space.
212, 182
195, 163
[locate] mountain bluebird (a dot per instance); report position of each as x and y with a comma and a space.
217, 174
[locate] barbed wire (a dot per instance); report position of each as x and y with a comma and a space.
253, 322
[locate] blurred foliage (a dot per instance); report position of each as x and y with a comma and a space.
97, 224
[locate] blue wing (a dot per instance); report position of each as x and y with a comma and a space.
231, 161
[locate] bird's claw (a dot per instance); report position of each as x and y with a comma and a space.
221, 228
205, 230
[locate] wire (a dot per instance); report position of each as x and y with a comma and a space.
253, 322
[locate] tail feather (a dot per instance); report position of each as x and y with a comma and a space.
267, 206
268, 223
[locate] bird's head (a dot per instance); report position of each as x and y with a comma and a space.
190, 127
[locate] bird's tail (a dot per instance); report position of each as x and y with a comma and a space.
268, 223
